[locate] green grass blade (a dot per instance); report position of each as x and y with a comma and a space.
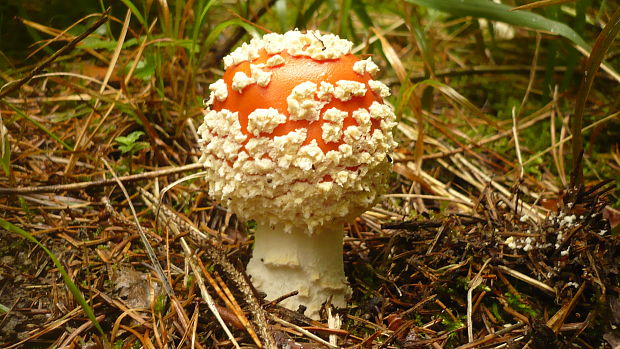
310, 12
33, 33
345, 18
134, 10
360, 10
284, 15
452, 94
502, 13
196, 30
178, 10
198, 24
552, 56
215, 32
427, 56
572, 59
602, 44
40, 126
65, 276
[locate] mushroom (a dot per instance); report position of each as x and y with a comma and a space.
295, 137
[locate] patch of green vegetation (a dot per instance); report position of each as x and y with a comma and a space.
519, 305
450, 325
159, 307
23, 204
129, 144
145, 68
251, 225
496, 311
119, 344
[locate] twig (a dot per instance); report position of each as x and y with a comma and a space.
36, 333
85, 326
304, 332
101, 183
537, 4
532, 75
515, 134
486, 69
282, 298
557, 320
527, 279
50, 59
558, 159
205, 294
437, 236
427, 197
564, 140
189, 254
491, 336
415, 225
473, 284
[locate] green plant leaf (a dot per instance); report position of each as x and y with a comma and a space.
145, 69
345, 18
75, 291
452, 94
502, 13
130, 144
95, 43
130, 138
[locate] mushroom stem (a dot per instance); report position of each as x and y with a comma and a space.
300, 261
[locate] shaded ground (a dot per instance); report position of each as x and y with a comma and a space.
544, 281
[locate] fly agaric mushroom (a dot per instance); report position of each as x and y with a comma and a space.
295, 137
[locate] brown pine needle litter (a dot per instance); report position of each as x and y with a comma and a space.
494, 232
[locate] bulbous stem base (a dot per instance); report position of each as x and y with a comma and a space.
297, 261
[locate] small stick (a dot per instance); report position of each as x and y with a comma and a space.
491, 336
515, 134
204, 293
475, 282
527, 279
283, 297
303, 331
236, 308
101, 183
557, 320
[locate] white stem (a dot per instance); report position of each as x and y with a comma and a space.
297, 261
